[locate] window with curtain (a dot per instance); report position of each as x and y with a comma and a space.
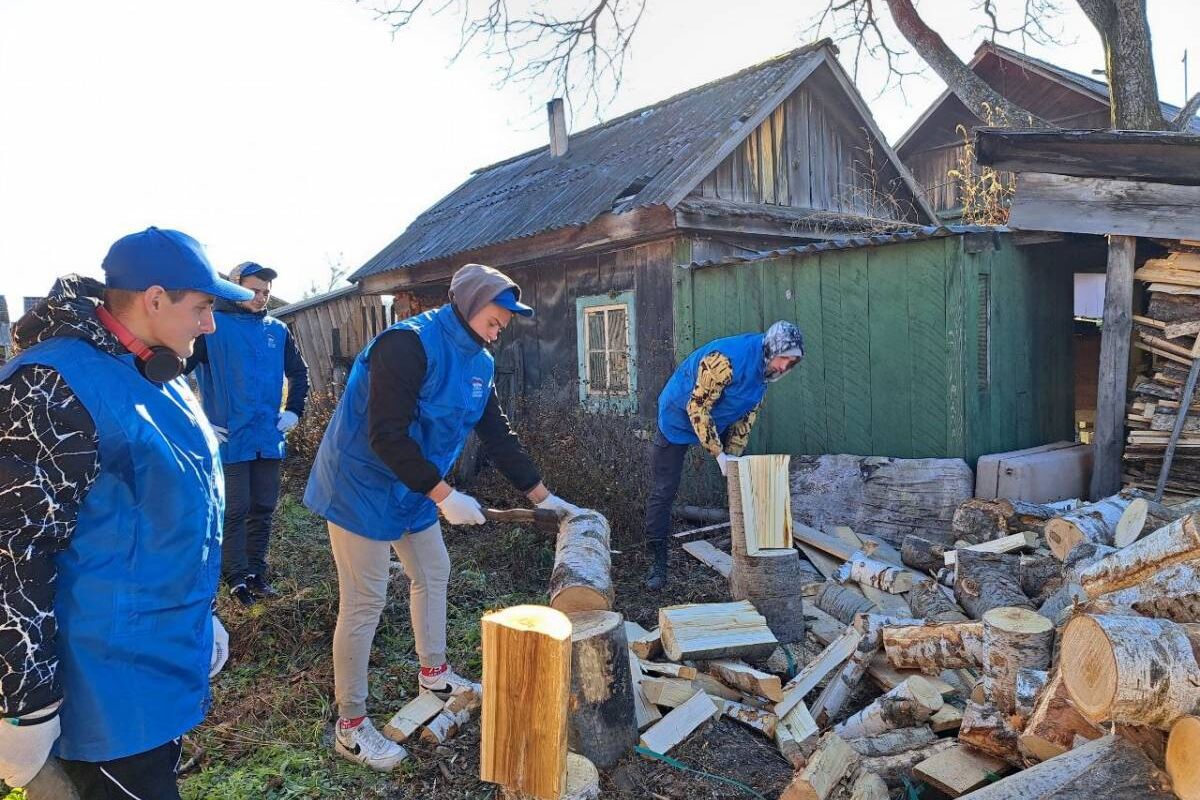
607, 372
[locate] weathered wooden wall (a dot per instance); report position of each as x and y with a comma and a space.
894, 346
331, 333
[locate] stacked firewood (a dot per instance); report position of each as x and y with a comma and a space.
1167, 333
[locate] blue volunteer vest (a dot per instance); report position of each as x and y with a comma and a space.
136, 582
745, 353
349, 485
241, 386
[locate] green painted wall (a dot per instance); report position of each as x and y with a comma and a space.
896, 363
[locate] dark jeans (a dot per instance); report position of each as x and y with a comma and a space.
666, 468
148, 776
251, 491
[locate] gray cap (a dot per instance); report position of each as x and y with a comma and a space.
474, 286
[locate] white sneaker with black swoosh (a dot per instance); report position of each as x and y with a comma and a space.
364, 745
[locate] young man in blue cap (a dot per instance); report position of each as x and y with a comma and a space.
413, 396
242, 367
110, 524
712, 400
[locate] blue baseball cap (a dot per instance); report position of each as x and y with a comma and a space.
166, 258
508, 299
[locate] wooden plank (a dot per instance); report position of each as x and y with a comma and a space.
679, 723
834, 341
959, 770
799, 722
715, 630
806, 290
824, 563
890, 363
1104, 206
829, 659
699, 533
888, 677
1005, 544
956, 345
1114, 367
709, 555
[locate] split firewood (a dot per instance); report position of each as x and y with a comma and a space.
1030, 683
887, 677
1108, 768
947, 718
644, 712
714, 687
645, 644
911, 703
889, 743
1013, 638
896, 768
1098, 522
679, 724
868, 786
741, 675
1054, 723
923, 554
789, 748
842, 684
1172, 593
800, 726
978, 520
958, 770
1152, 741
710, 555
1183, 757
668, 692
935, 646
405, 722
760, 512
843, 603
581, 782
831, 762
715, 630
670, 670
458, 711
985, 581
815, 671
762, 721
869, 572
927, 600
581, 579
1176, 543
1005, 544
1131, 669
988, 731
602, 726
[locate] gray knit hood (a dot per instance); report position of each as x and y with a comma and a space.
782, 339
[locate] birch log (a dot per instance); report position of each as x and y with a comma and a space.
934, 647
1013, 639
928, 601
1183, 757
839, 688
868, 786
1174, 544
911, 703
894, 769
1030, 683
1172, 593
879, 574
984, 581
1131, 669
601, 722
843, 603
1096, 523
988, 731
581, 579
1054, 723
889, 743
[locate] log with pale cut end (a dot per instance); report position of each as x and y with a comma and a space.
889, 743
1005, 544
928, 601
645, 644
911, 703
582, 782
581, 580
1013, 639
923, 554
741, 675
984, 581
843, 603
1030, 683
670, 669
669, 692
602, 724
1131, 669
1097, 523
934, 646
988, 731
958, 770
897, 768
868, 786
1109, 768
1132, 523
1172, 593
715, 630
1129, 566
832, 761
771, 580
1054, 723
1183, 757
1157, 516
867, 571
523, 742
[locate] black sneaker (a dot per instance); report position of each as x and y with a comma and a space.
259, 587
243, 595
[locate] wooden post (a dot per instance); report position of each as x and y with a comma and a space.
1114, 366
601, 724
523, 742
1013, 638
580, 580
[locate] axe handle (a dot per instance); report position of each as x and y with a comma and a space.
539, 517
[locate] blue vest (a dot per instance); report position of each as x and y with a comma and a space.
745, 353
137, 580
349, 485
241, 386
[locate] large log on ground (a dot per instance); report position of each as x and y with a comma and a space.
1172, 593
934, 647
602, 726
1183, 758
831, 762
582, 782
988, 731
843, 603
984, 581
1013, 639
1108, 768
1097, 523
715, 630
771, 580
581, 580
1176, 543
1054, 723
889, 497
928, 601
1131, 669
911, 703
523, 742
895, 769
976, 521
889, 743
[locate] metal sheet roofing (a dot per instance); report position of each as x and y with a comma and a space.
638, 158
309, 302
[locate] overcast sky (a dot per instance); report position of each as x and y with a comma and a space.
302, 133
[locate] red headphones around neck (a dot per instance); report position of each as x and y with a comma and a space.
159, 364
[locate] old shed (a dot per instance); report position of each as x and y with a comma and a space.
331, 328
948, 342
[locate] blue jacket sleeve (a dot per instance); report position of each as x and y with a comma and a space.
296, 372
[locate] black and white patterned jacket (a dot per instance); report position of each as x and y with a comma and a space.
48, 462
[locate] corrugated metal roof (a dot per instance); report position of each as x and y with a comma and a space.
915, 234
638, 158
300, 305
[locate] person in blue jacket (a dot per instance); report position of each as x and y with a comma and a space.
111, 499
414, 394
711, 399
242, 367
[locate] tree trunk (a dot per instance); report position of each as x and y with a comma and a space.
1178, 542
1097, 523
843, 603
771, 580
582, 782
927, 600
889, 743
1054, 723
1131, 669
1132, 85
1183, 758
911, 703
1013, 639
934, 647
894, 769
989, 731
581, 580
602, 726
984, 581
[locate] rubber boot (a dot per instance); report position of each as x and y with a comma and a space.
657, 578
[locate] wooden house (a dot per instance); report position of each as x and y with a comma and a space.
934, 145
331, 328
591, 226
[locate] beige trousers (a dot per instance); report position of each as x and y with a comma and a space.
362, 570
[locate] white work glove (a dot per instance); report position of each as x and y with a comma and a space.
723, 464
220, 651
461, 509
25, 748
222, 434
561, 507
287, 421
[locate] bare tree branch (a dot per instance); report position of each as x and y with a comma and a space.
1184, 117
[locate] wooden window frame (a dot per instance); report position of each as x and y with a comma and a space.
604, 401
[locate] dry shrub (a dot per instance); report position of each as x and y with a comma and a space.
305, 438
986, 193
